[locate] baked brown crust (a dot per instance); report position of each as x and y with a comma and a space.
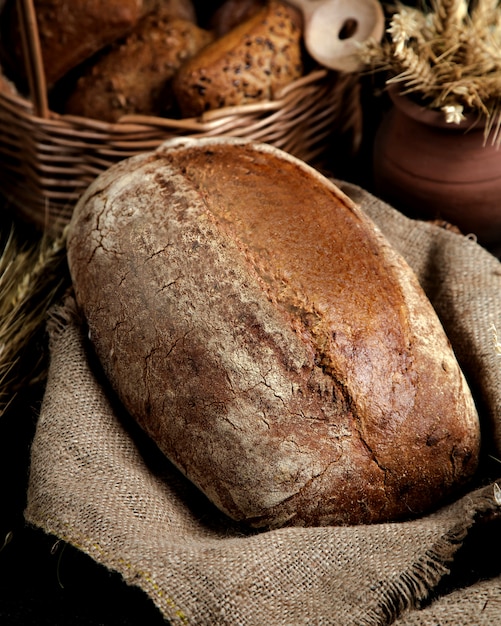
72, 31
134, 75
263, 332
248, 64
231, 13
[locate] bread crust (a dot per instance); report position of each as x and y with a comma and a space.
231, 13
247, 65
261, 329
72, 31
134, 75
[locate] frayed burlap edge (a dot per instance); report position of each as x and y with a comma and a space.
376, 602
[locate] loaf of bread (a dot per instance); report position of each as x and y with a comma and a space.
248, 64
72, 31
264, 333
134, 75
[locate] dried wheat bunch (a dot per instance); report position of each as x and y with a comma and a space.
448, 55
32, 277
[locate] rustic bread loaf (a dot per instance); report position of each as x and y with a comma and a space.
72, 31
248, 64
259, 327
134, 75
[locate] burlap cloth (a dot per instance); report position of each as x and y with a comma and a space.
98, 483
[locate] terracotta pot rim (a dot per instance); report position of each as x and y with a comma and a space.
432, 117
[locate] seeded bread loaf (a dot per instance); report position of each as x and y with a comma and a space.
263, 332
248, 64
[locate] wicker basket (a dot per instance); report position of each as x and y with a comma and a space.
49, 159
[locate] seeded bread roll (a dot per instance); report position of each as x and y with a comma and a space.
249, 64
264, 333
134, 76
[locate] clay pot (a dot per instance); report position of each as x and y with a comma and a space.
431, 169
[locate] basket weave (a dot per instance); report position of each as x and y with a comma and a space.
49, 159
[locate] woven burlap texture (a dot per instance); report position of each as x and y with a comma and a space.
98, 483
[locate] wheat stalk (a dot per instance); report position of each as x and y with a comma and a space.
449, 56
32, 277
448, 16
484, 12
415, 71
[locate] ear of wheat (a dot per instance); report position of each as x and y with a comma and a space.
448, 55
32, 277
